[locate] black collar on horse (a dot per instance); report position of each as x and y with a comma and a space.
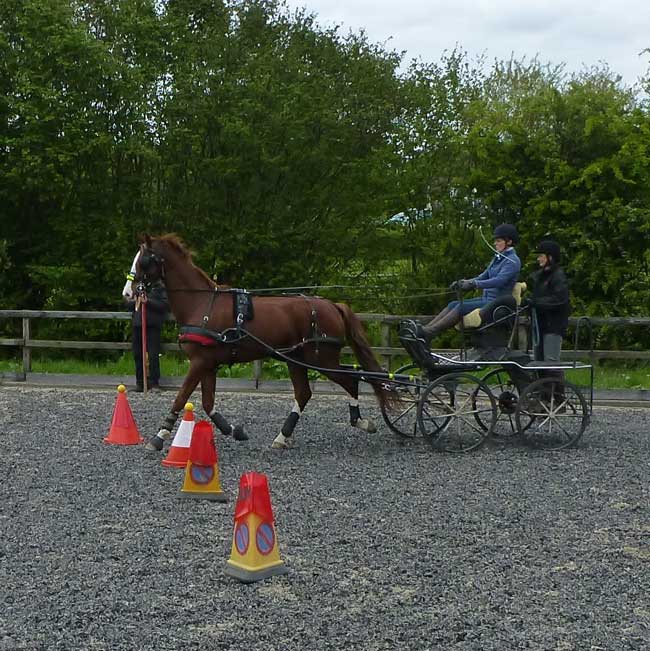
309, 331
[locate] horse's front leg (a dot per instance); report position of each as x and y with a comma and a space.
302, 394
208, 388
189, 384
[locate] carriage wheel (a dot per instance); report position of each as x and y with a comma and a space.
449, 410
403, 419
558, 412
506, 394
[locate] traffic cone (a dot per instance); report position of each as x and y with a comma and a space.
123, 430
202, 472
254, 555
179, 451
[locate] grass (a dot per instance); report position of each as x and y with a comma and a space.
607, 375
170, 366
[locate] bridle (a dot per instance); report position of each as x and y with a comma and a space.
151, 266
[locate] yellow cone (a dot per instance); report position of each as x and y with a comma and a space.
202, 471
202, 483
254, 554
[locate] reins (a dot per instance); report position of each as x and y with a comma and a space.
295, 291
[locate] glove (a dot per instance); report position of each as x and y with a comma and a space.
466, 285
527, 302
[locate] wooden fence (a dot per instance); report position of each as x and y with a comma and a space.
385, 350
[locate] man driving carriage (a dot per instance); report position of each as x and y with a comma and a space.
497, 280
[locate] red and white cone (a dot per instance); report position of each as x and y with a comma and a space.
179, 452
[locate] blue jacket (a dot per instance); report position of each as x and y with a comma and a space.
500, 276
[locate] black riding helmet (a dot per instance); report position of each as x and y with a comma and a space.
506, 232
551, 249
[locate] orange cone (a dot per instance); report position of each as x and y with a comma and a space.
254, 555
123, 430
202, 471
179, 452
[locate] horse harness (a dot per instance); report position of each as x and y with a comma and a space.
243, 311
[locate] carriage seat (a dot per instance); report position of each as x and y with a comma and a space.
497, 309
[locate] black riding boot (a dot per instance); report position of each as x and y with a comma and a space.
440, 324
438, 316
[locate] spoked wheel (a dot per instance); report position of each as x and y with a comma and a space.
558, 412
449, 411
506, 394
403, 419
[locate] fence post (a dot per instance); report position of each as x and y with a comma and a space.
27, 351
385, 342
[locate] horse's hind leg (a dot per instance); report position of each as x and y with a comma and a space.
302, 394
208, 387
351, 384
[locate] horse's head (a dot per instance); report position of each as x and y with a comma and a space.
150, 266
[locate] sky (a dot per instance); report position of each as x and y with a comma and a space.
577, 33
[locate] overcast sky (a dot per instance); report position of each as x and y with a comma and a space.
577, 33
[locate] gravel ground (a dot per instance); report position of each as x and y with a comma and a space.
389, 545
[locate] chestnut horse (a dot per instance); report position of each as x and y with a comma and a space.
219, 327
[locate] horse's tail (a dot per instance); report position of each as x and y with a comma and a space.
358, 340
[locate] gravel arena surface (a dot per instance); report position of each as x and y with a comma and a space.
388, 544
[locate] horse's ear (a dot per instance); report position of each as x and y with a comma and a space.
146, 240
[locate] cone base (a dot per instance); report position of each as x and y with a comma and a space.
111, 441
174, 464
250, 576
196, 495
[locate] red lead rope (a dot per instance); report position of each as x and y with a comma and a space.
143, 306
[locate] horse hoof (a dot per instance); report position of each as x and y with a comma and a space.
281, 442
155, 444
366, 425
238, 433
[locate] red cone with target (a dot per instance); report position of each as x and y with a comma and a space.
123, 430
254, 555
202, 472
179, 451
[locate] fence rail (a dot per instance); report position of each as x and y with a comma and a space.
27, 343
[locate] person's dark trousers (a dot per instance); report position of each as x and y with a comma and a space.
153, 350
550, 349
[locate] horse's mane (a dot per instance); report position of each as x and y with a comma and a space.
174, 242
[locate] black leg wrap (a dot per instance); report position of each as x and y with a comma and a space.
155, 443
227, 429
355, 414
222, 424
170, 420
290, 423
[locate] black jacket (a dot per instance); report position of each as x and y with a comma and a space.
550, 299
157, 306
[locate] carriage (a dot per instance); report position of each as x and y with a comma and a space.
458, 403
